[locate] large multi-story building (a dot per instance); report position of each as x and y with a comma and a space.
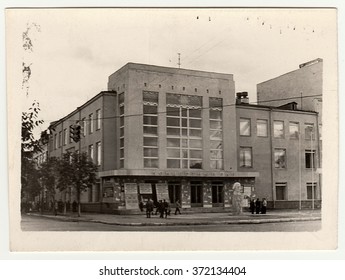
177, 134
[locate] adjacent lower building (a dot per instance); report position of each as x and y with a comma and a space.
177, 134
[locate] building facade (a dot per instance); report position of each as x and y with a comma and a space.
177, 134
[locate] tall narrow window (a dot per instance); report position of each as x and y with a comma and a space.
91, 152
279, 158
309, 131
261, 128
184, 131
294, 130
278, 128
65, 136
310, 159
245, 127
55, 141
83, 127
216, 133
121, 102
311, 190
98, 119
246, 157
98, 153
90, 123
60, 139
150, 129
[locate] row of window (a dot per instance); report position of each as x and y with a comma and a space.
278, 129
184, 88
280, 159
62, 138
281, 189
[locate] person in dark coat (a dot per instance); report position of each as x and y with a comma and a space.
161, 208
166, 208
264, 206
257, 206
149, 208
178, 206
252, 205
141, 206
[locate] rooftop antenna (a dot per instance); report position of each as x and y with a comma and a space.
179, 60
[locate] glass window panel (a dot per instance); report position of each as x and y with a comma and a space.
151, 141
172, 142
150, 152
195, 164
150, 96
245, 127
173, 131
216, 125
216, 144
195, 153
309, 131
98, 117
185, 164
173, 122
122, 142
122, 163
151, 120
194, 100
184, 143
122, 131
184, 122
184, 112
280, 158
245, 157
278, 127
215, 102
122, 153
122, 110
195, 113
184, 153
195, 132
261, 128
173, 111
174, 99
294, 130
150, 163
184, 132
150, 109
195, 123
195, 143
216, 134
216, 154
216, 164
173, 163
122, 121
215, 114
150, 130
121, 98
173, 153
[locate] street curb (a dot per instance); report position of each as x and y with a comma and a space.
243, 221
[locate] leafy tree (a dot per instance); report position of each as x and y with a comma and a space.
76, 170
29, 147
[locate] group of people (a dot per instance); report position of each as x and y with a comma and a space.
258, 206
162, 207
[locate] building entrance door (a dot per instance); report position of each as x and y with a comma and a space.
196, 194
217, 194
174, 191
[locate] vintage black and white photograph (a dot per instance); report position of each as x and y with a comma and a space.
198, 128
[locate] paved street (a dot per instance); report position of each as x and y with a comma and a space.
35, 223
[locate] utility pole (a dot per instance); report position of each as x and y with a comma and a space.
179, 60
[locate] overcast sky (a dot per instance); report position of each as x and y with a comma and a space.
77, 49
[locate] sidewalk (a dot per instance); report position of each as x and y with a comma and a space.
275, 216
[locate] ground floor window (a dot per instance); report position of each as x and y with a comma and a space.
281, 191
196, 194
311, 191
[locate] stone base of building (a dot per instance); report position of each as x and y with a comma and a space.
294, 204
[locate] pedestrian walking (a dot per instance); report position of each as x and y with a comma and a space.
264, 206
178, 206
161, 209
166, 208
149, 208
252, 205
257, 206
